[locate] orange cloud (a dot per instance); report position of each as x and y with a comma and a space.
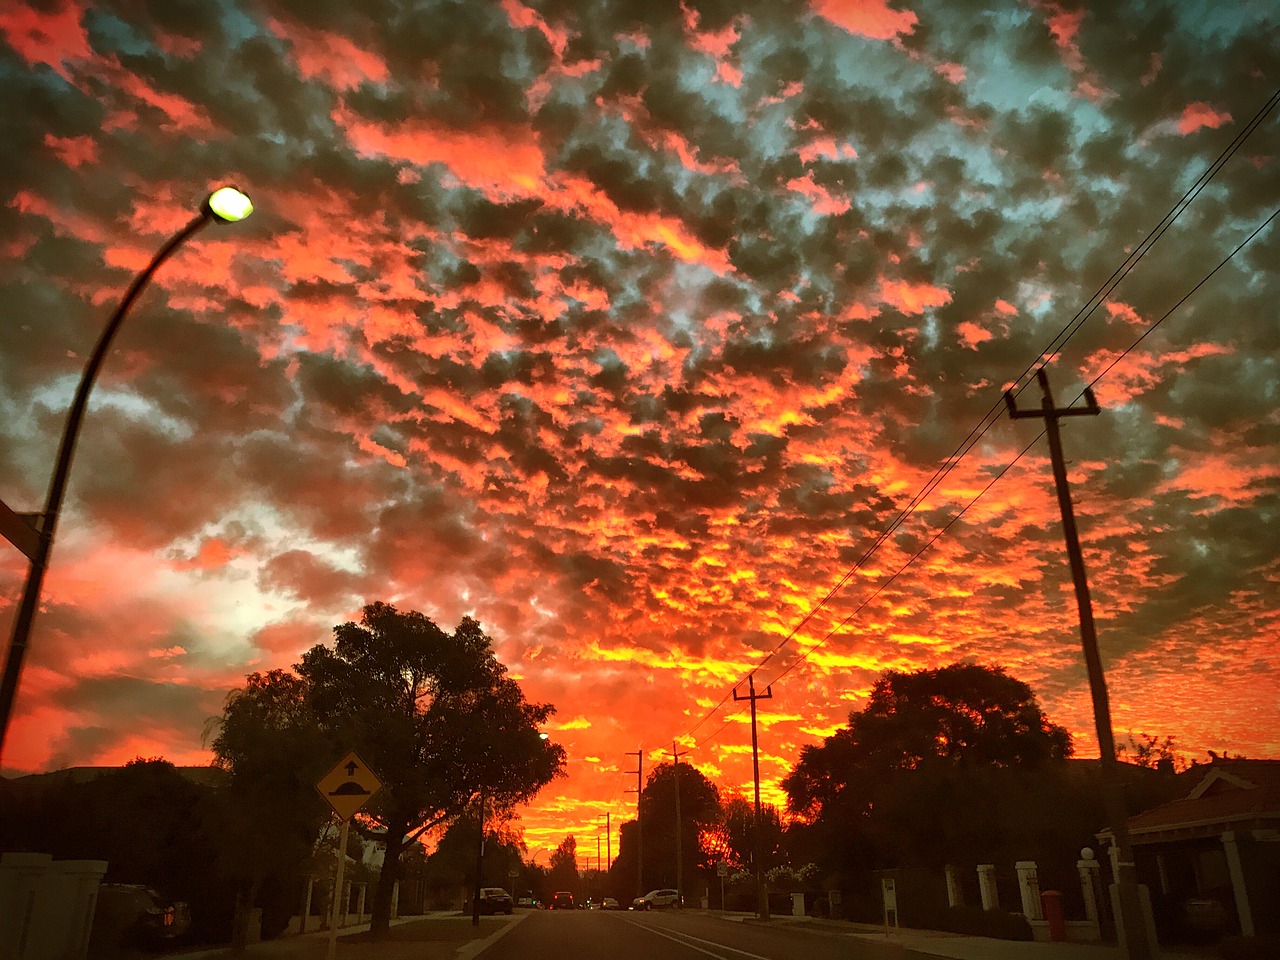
1197, 115
873, 19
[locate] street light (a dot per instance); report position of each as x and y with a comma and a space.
225, 205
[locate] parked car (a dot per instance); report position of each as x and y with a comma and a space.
495, 900
528, 903
133, 915
637, 903
656, 899
608, 903
563, 900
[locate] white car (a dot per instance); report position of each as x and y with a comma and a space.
655, 899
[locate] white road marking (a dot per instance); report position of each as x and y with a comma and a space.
689, 936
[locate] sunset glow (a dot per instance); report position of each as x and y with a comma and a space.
628, 338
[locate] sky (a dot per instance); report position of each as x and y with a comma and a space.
636, 331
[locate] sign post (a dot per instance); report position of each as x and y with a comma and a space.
347, 788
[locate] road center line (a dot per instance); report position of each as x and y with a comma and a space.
689, 936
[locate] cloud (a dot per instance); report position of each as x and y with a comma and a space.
629, 332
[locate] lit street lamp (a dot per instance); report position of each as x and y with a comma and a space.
225, 205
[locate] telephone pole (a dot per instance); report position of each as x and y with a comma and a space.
675, 770
1131, 922
762, 894
639, 755
608, 843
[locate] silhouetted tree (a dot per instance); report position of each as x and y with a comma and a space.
929, 770
562, 869
960, 715
699, 812
436, 717
270, 814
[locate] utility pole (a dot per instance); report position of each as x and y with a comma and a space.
608, 843
475, 890
1132, 923
675, 771
762, 894
639, 755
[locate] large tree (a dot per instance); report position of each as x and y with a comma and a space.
916, 774
436, 717
963, 714
269, 813
562, 868
699, 813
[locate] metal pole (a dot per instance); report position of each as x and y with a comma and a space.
58, 486
608, 844
1132, 921
339, 906
475, 893
679, 866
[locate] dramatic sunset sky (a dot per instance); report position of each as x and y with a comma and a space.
627, 327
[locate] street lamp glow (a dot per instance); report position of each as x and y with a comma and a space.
229, 205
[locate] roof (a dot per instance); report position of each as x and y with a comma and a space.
1224, 795
204, 776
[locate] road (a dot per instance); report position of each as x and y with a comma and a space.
671, 935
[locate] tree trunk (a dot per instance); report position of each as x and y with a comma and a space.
380, 920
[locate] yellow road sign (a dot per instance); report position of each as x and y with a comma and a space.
349, 785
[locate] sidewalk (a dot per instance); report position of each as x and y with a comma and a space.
435, 936
955, 946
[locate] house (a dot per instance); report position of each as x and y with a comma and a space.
1211, 859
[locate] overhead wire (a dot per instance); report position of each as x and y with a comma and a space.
1046, 356
1116, 360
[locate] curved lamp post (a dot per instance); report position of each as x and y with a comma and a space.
226, 205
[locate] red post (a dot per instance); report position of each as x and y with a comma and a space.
1051, 904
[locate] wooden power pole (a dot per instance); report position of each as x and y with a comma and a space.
1131, 921
639, 755
762, 894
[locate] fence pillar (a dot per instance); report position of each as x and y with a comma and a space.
1029, 888
1090, 871
955, 897
987, 886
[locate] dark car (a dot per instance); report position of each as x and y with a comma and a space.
133, 915
495, 900
563, 900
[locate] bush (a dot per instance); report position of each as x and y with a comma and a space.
977, 922
1250, 948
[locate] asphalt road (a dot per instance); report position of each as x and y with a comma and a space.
670, 935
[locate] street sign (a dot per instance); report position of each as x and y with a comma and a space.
723, 870
349, 785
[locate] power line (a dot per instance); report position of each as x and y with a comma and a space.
941, 531
1046, 356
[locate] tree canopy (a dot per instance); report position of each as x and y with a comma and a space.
434, 714
960, 715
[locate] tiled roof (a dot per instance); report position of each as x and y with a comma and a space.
1226, 793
